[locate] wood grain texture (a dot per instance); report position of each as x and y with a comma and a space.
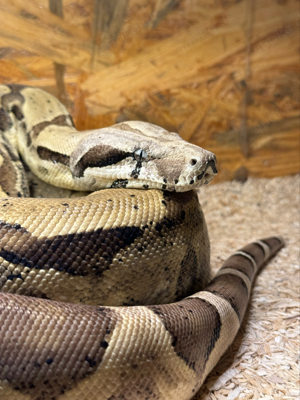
225, 75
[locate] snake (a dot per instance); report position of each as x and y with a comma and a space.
107, 293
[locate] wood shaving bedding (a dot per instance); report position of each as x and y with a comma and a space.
263, 361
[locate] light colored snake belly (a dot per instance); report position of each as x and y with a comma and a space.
108, 296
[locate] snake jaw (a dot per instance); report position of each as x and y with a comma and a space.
190, 177
133, 176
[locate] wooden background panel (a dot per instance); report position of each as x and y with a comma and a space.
225, 75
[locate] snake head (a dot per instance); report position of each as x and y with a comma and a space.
137, 154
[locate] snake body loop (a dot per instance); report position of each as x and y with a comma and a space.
108, 296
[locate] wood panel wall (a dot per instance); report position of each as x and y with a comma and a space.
222, 73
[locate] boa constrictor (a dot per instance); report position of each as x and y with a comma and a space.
100, 296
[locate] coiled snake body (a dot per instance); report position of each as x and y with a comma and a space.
93, 289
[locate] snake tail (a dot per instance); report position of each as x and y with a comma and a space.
54, 350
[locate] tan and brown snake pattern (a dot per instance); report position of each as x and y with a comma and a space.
108, 296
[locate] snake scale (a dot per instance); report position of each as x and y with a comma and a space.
109, 295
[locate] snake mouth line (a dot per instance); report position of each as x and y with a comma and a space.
192, 181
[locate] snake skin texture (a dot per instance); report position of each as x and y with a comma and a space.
109, 296
105, 249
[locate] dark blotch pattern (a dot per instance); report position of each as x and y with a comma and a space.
16, 110
255, 251
99, 156
274, 244
33, 373
61, 120
53, 156
233, 289
188, 274
166, 167
11, 99
195, 326
240, 263
76, 254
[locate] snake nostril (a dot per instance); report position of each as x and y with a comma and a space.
193, 161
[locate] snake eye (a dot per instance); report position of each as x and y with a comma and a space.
139, 155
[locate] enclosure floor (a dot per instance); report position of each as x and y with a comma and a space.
263, 362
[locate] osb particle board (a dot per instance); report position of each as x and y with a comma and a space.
224, 74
